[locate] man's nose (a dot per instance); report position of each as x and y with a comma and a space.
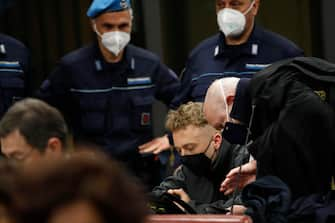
115, 29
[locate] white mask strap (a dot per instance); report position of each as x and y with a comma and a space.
250, 7
96, 30
225, 99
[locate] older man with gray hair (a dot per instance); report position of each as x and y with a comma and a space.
31, 129
107, 89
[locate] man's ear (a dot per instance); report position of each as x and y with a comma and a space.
230, 99
54, 146
255, 8
217, 138
93, 25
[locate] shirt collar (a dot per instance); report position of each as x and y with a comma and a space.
241, 109
251, 47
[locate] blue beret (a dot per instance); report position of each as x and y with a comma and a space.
100, 6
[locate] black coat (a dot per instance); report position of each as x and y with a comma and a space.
204, 190
293, 129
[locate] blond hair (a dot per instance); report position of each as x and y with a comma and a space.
187, 114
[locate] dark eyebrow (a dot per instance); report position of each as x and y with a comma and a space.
125, 24
106, 24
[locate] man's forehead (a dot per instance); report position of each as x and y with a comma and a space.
112, 16
15, 141
190, 134
188, 131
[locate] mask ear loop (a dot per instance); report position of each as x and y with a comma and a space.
209, 143
215, 151
225, 99
250, 7
96, 30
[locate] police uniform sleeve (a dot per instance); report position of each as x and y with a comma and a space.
55, 89
183, 94
289, 50
167, 84
295, 52
26, 65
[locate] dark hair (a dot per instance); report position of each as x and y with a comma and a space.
82, 177
36, 121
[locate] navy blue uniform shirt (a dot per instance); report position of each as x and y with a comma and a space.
14, 72
110, 104
213, 59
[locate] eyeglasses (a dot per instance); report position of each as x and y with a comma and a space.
20, 157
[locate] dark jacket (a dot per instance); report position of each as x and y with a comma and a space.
268, 200
204, 190
319, 208
14, 72
293, 128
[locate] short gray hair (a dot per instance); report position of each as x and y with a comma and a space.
36, 121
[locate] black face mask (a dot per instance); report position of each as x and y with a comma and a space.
199, 164
235, 133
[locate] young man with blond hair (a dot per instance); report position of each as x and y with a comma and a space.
206, 159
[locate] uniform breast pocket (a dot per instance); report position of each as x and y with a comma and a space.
142, 113
11, 90
93, 108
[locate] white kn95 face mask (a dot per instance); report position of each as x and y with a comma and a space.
114, 41
232, 22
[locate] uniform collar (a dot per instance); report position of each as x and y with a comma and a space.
128, 58
241, 109
3, 50
251, 47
